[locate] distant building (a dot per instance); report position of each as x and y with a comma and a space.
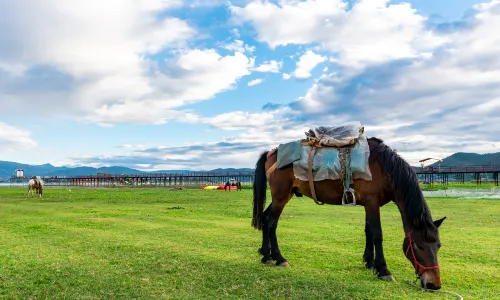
19, 173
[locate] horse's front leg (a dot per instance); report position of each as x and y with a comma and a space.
375, 227
369, 254
265, 250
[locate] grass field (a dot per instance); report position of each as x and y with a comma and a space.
453, 185
192, 244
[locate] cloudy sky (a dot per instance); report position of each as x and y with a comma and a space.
201, 84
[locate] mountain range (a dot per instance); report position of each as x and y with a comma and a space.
463, 158
8, 168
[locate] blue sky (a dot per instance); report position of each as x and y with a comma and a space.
202, 84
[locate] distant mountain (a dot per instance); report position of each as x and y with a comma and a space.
462, 158
8, 169
174, 171
219, 170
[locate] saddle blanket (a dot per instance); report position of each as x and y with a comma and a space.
326, 162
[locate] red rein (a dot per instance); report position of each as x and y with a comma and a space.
419, 269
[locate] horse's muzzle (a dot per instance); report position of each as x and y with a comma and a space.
429, 284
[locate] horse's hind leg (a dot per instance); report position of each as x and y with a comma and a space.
272, 218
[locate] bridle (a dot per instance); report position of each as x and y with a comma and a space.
419, 268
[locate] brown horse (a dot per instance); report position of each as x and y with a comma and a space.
392, 179
229, 184
35, 183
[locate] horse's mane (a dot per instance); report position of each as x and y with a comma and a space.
405, 186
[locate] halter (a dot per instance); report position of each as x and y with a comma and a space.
419, 268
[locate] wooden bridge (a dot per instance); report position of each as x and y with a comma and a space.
459, 174
149, 179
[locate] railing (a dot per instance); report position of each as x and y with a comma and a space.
154, 175
459, 169
418, 170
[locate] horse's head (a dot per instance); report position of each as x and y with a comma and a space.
421, 246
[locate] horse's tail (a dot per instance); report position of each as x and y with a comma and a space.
259, 191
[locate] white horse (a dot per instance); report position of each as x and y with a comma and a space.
35, 183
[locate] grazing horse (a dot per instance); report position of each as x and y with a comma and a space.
229, 184
392, 179
35, 183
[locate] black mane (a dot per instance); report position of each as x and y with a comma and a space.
405, 186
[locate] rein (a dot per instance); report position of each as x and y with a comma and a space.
419, 268
433, 291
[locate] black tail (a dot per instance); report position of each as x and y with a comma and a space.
259, 191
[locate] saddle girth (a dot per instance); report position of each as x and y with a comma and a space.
311, 177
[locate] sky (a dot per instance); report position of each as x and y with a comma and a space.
204, 84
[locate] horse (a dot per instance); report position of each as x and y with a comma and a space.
229, 184
35, 183
393, 179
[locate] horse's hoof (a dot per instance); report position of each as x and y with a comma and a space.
387, 278
284, 264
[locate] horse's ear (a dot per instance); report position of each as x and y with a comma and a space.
438, 222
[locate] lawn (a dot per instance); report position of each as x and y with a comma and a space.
193, 244
454, 186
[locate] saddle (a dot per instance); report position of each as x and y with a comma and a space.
36, 180
337, 136
344, 138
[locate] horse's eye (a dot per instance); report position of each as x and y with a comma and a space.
418, 247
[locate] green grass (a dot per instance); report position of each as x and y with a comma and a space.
192, 244
453, 185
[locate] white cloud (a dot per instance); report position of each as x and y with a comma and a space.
425, 92
199, 156
307, 63
239, 46
432, 106
447, 101
240, 120
371, 32
272, 66
96, 60
262, 131
201, 74
12, 138
15, 69
255, 81
209, 3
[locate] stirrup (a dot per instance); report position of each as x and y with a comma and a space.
346, 191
